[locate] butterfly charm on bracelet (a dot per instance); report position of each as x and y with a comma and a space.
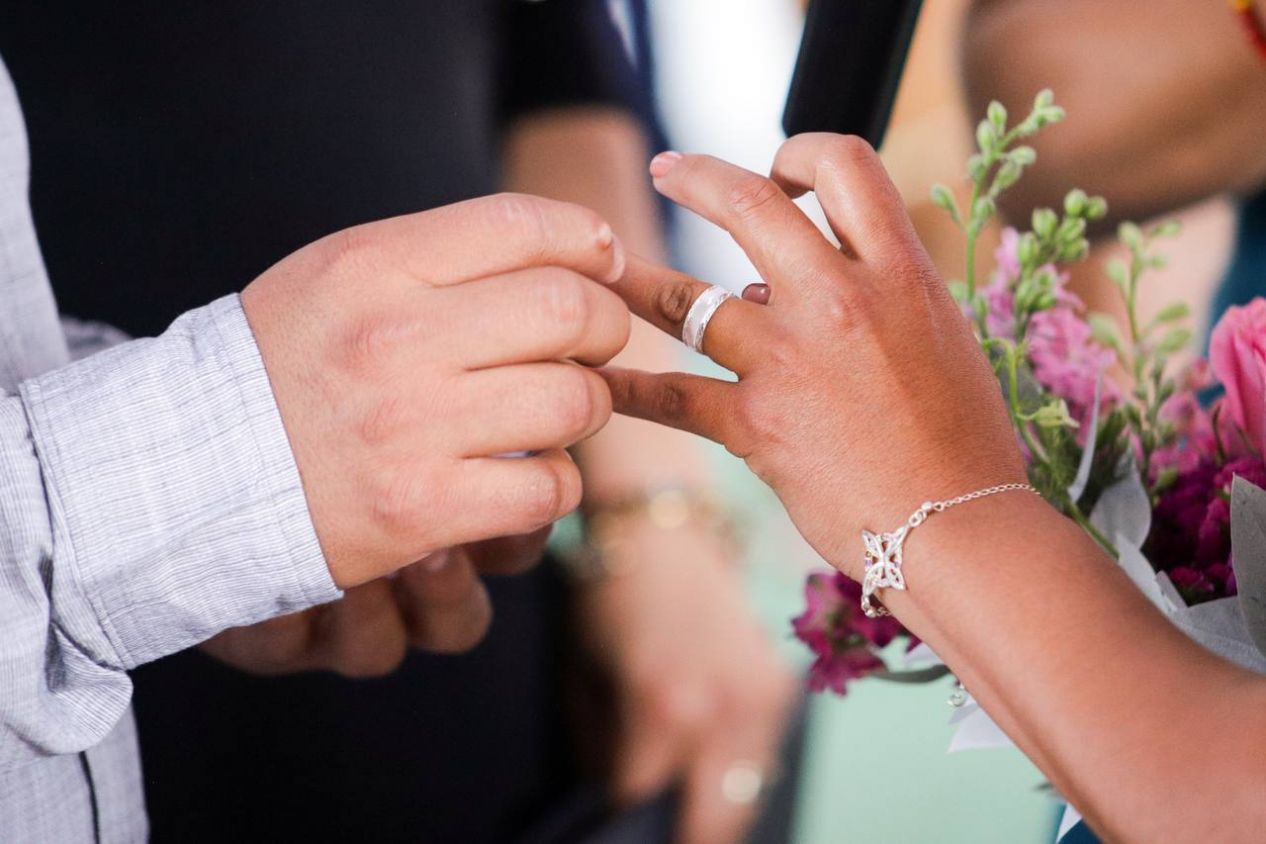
882, 565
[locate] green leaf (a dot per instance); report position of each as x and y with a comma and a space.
1044, 223
1131, 235
983, 209
1028, 249
942, 197
958, 289
1024, 156
1169, 228
1075, 203
1105, 331
1008, 174
1174, 340
1119, 272
986, 137
1044, 99
1097, 209
1055, 416
1173, 313
1071, 230
1046, 117
998, 115
977, 169
1165, 479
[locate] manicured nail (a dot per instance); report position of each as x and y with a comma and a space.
662, 163
437, 561
758, 293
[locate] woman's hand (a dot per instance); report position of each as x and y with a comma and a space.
700, 691
862, 391
437, 604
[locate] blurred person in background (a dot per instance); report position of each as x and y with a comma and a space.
1167, 109
178, 148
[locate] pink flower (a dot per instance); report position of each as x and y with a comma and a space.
1007, 258
1067, 361
1237, 352
1193, 427
840, 635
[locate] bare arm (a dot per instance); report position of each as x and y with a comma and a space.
1167, 102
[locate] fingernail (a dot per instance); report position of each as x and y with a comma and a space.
758, 293
437, 561
662, 163
617, 260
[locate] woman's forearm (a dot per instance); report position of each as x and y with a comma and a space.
1065, 652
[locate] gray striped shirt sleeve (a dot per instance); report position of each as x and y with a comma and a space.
148, 499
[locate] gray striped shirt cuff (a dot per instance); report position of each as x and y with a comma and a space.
173, 490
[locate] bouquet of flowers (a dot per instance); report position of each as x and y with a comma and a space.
1116, 436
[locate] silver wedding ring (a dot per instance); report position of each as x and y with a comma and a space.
700, 314
742, 782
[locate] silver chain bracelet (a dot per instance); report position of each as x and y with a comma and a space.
883, 550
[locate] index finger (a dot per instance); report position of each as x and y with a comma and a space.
495, 234
785, 246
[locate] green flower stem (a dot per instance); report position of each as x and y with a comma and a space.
1097, 535
973, 232
1017, 416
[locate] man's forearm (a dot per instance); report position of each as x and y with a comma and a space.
149, 501
1166, 107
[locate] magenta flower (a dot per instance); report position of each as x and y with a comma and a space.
840, 635
1193, 427
1237, 352
1191, 528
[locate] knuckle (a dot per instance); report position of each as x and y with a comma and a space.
574, 406
553, 493
672, 301
365, 344
759, 419
348, 249
751, 195
523, 214
381, 421
848, 149
565, 303
398, 506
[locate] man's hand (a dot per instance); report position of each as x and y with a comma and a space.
407, 354
437, 604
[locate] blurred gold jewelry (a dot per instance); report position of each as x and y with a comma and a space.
612, 527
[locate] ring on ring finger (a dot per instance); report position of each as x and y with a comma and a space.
700, 314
